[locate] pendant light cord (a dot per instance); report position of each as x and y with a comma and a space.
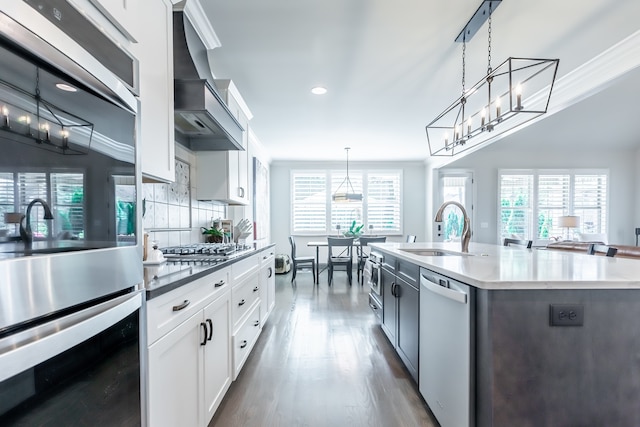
489, 69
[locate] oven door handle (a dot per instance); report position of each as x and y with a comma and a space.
28, 348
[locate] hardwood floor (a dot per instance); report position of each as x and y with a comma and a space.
322, 360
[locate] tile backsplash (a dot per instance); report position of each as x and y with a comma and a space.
171, 214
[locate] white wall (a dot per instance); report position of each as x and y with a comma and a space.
413, 196
624, 181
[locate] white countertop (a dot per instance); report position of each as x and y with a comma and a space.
501, 268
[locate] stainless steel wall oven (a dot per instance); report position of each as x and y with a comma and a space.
71, 276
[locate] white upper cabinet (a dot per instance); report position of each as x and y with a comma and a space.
155, 54
125, 15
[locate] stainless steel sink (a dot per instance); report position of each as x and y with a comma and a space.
434, 252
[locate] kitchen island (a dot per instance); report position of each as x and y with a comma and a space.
552, 336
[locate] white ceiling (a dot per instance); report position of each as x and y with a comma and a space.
391, 67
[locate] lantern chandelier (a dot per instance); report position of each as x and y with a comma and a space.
515, 92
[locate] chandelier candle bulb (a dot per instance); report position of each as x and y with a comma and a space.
498, 108
469, 126
45, 128
65, 137
483, 116
519, 97
5, 116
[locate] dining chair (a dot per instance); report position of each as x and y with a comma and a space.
518, 242
301, 261
339, 255
363, 254
410, 238
598, 249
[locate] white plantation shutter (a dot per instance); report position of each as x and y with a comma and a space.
384, 202
344, 213
314, 212
553, 202
565, 192
590, 202
7, 199
516, 210
309, 204
68, 203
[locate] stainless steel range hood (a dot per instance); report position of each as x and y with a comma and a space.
202, 120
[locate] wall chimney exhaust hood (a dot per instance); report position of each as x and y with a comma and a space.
202, 120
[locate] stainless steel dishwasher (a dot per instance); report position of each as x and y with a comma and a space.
446, 374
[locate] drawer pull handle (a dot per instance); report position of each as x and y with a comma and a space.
220, 283
241, 303
257, 323
256, 289
210, 323
373, 307
181, 306
204, 326
244, 344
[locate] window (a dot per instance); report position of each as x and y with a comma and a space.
532, 201
314, 212
64, 192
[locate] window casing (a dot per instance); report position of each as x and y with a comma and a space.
314, 213
531, 201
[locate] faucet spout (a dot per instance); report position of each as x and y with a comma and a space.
25, 223
466, 229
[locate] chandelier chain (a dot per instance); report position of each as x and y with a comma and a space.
464, 50
489, 43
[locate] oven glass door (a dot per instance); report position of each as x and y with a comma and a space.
82, 369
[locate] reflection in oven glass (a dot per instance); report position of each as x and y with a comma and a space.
96, 383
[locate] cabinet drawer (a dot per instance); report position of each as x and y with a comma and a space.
245, 338
267, 256
244, 268
409, 272
167, 311
243, 296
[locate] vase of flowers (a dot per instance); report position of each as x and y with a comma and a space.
354, 231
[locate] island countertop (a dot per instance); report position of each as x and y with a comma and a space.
501, 267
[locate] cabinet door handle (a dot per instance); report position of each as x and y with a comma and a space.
210, 323
270, 272
204, 340
257, 323
256, 289
241, 303
244, 344
181, 306
218, 284
240, 192
373, 307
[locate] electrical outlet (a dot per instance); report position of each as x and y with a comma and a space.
566, 314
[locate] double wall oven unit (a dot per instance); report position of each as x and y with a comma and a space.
373, 278
71, 276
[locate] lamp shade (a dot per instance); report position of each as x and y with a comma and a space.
570, 221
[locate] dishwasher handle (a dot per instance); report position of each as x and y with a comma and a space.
450, 293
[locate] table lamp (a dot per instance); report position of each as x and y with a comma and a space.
569, 221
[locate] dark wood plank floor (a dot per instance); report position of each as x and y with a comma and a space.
322, 360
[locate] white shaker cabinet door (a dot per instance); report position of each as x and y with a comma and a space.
217, 353
175, 372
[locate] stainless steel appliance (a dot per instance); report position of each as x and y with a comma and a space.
70, 294
373, 278
446, 376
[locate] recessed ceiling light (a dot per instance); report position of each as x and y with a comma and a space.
319, 90
66, 87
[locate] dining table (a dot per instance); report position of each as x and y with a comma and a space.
323, 243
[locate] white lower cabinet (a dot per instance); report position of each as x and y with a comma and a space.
199, 337
189, 366
175, 373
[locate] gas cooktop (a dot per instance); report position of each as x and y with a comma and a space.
204, 252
